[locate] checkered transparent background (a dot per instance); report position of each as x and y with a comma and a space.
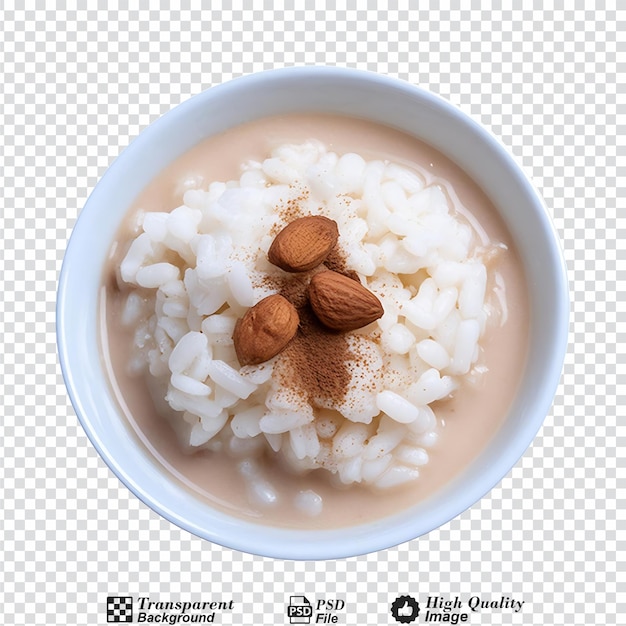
78, 85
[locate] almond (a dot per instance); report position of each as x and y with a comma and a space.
265, 330
342, 303
304, 243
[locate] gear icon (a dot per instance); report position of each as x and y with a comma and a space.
405, 609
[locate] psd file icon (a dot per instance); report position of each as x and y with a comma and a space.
299, 610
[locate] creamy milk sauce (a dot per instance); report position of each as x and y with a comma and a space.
470, 419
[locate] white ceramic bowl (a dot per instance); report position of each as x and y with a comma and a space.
331, 90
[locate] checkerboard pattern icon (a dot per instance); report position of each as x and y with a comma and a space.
119, 609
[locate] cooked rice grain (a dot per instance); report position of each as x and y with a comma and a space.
203, 265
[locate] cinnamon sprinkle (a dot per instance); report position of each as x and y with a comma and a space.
315, 361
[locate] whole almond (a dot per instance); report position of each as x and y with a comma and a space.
265, 330
342, 303
304, 243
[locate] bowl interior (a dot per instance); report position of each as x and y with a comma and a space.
323, 90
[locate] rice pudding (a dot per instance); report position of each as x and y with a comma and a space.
387, 413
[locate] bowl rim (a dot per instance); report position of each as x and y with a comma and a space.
334, 543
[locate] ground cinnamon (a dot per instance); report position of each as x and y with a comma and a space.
315, 360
